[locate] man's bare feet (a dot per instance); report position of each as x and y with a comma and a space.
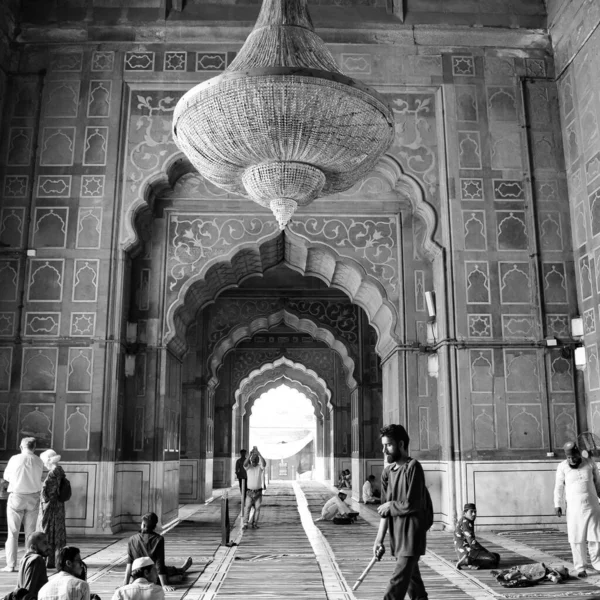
187, 564
462, 562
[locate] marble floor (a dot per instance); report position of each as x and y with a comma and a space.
291, 556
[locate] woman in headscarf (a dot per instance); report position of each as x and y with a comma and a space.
52, 511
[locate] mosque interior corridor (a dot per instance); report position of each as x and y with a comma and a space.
291, 556
156, 319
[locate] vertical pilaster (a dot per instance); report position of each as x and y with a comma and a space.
394, 390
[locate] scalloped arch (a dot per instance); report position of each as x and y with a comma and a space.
262, 323
173, 167
308, 258
280, 367
409, 188
260, 387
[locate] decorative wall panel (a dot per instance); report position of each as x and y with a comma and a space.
77, 427
50, 227
39, 368
12, 222
79, 370
37, 420
85, 280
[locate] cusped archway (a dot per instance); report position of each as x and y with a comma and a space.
264, 323
303, 381
253, 257
282, 367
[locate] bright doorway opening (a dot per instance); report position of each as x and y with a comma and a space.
283, 426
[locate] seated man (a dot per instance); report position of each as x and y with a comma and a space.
32, 570
67, 584
369, 493
144, 575
151, 544
470, 552
336, 508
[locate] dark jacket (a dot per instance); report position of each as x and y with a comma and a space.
32, 574
148, 544
405, 488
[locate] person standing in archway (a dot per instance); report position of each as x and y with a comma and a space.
255, 466
240, 472
406, 512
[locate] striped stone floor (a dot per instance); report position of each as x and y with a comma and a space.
291, 556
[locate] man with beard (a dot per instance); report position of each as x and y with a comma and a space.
406, 512
32, 570
578, 483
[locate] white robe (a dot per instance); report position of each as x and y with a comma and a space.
580, 488
333, 507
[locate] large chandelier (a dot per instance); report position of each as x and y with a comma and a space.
282, 125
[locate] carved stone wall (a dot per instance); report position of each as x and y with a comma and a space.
469, 202
576, 41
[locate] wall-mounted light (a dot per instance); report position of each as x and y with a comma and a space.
580, 358
433, 365
576, 328
430, 302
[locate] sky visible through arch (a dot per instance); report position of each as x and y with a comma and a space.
281, 416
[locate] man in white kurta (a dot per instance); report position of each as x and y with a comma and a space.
578, 486
335, 506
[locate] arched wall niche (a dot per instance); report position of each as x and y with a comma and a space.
303, 325
307, 256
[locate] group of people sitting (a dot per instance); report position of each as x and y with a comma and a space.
147, 577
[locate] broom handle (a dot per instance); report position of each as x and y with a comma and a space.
364, 573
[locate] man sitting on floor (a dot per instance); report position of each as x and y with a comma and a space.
143, 587
335, 508
369, 494
68, 583
149, 543
32, 570
470, 552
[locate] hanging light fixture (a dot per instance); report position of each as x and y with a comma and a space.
282, 125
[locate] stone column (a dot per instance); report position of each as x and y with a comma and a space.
320, 456
208, 426
358, 463
394, 388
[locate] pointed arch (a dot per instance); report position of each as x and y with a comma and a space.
264, 323
278, 368
289, 378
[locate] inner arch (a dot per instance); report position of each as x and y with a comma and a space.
304, 325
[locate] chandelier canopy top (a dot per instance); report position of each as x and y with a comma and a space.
282, 125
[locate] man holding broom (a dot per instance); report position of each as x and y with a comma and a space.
406, 512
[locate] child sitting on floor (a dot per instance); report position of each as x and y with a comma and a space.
470, 552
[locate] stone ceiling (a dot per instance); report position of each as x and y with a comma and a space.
41, 15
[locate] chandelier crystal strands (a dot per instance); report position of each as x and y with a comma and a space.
282, 125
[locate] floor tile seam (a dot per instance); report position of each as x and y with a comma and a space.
466, 582
213, 576
323, 551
